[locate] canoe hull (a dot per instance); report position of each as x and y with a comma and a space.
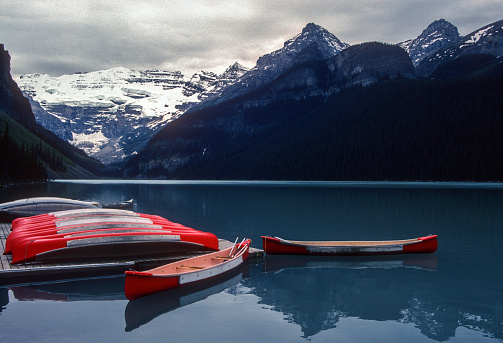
278, 246
36, 206
140, 284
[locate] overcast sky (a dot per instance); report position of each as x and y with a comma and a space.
66, 36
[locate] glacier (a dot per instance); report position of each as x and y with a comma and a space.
111, 114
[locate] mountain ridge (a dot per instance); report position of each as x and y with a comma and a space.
304, 67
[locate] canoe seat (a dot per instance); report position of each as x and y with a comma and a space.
189, 267
221, 258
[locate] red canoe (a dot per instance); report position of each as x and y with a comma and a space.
55, 218
92, 223
279, 246
111, 244
185, 272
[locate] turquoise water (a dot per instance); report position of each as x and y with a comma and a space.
454, 295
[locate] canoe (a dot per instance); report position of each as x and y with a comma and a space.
99, 234
39, 205
23, 236
111, 244
146, 309
69, 222
71, 214
119, 205
279, 246
185, 272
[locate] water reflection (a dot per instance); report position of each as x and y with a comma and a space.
276, 263
316, 293
456, 292
100, 288
141, 311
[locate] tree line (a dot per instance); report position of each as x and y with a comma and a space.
20, 163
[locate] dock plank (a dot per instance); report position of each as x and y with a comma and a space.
36, 272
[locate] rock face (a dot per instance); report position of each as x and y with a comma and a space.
486, 41
203, 133
368, 63
112, 113
438, 34
12, 100
314, 43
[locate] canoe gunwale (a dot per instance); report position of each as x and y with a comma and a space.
350, 243
279, 246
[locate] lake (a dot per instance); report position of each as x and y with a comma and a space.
454, 295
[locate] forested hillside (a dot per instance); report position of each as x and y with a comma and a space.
440, 130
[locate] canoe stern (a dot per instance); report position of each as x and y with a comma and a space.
274, 246
425, 245
139, 284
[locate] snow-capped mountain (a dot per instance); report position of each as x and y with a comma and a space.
438, 34
487, 41
294, 51
112, 113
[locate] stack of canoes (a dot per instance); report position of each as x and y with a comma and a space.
101, 233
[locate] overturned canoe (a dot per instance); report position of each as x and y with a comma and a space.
39, 205
97, 226
99, 234
111, 244
279, 246
185, 272
119, 205
56, 216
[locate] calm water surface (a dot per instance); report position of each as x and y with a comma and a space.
454, 295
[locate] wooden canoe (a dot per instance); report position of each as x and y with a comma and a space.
185, 272
279, 246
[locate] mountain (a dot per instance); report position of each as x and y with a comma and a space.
112, 113
12, 100
461, 56
247, 115
28, 152
438, 34
359, 115
248, 119
401, 130
314, 43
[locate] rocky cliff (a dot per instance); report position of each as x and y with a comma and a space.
437, 35
486, 42
12, 100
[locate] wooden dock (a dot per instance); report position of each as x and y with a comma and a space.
38, 272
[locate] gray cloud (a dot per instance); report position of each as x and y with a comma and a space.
62, 37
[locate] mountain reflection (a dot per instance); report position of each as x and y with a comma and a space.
316, 293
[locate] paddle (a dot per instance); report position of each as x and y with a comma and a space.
230, 252
238, 251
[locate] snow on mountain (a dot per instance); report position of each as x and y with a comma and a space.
487, 40
112, 113
321, 45
438, 34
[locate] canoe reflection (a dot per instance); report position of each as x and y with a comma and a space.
100, 288
141, 311
274, 263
